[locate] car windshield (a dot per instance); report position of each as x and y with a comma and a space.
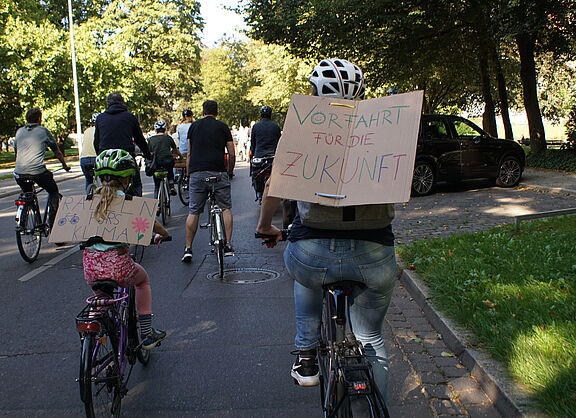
466, 129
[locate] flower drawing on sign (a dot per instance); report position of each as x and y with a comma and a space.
140, 226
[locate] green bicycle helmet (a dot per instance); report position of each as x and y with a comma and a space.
115, 162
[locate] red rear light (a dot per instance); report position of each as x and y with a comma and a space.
93, 326
19, 203
360, 386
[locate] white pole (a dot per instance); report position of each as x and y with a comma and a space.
74, 75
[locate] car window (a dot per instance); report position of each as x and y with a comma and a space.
434, 129
466, 130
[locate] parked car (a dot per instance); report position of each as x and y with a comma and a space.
451, 148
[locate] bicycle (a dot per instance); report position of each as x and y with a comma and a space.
261, 171
216, 225
181, 179
111, 345
347, 386
163, 195
31, 226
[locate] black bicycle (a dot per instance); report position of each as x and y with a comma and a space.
181, 179
261, 171
347, 385
216, 225
31, 225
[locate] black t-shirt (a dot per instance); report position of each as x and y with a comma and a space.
264, 138
162, 145
208, 137
383, 236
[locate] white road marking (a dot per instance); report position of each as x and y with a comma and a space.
48, 264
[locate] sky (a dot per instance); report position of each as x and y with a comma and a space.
219, 21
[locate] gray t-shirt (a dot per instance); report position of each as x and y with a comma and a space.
183, 137
30, 144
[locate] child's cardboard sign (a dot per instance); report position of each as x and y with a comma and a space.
345, 152
128, 221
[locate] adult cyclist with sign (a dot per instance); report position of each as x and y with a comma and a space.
320, 255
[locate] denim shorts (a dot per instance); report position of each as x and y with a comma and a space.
199, 189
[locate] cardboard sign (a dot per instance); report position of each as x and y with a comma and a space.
128, 221
345, 152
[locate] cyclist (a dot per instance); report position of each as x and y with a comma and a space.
116, 128
208, 138
182, 130
314, 257
265, 135
87, 153
111, 260
30, 146
163, 146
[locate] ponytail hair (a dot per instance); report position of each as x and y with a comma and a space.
107, 192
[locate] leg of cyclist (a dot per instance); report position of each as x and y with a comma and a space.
198, 191
87, 166
369, 308
156, 186
169, 164
136, 186
46, 181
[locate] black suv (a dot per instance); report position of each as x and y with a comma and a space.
451, 148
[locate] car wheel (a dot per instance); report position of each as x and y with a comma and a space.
509, 172
423, 179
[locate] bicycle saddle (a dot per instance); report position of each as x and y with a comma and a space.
343, 285
106, 286
212, 180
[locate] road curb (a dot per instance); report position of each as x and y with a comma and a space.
508, 397
548, 189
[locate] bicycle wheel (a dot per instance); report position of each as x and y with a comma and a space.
168, 198
134, 340
183, 192
28, 234
138, 253
221, 239
100, 380
162, 202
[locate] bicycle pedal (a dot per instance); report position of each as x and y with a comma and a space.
204, 226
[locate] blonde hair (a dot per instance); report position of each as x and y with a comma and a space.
107, 192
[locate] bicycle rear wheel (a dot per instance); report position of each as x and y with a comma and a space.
220, 238
162, 200
100, 380
28, 234
183, 192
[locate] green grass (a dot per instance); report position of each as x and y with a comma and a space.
7, 159
515, 291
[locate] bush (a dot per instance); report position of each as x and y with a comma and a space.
555, 159
571, 129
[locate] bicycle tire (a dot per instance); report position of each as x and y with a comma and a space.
221, 239
28, 234
162, 200
100, 392
134, 339
138, 253
183, 192
168, 200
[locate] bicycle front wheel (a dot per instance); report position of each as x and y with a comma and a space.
100, 380
183, 192
28, 234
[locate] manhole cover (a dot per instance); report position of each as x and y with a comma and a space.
245, 276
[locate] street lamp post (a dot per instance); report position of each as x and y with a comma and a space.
74, 74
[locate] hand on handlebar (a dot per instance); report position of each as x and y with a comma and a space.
271, 236
159, 238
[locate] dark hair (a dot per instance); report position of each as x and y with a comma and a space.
33, 115
114, 98
210, 107
186, 113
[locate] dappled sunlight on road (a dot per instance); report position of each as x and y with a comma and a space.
510, 210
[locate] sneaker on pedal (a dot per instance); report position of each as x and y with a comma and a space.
153, 339
228, 250
187, 257
305, 370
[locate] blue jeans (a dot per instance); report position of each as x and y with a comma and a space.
314, 262
87, 164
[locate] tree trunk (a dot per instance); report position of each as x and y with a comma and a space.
489, 116
503, 95
529, 87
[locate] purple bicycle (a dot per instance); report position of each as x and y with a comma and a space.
110, 339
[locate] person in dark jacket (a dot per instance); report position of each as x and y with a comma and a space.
116, 128
265, 135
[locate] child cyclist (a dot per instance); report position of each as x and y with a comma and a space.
112, 260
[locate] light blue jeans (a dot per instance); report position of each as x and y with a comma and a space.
315, 262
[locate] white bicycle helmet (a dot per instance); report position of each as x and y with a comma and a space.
339, 79
160, 125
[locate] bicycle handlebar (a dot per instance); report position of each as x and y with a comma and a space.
269, 239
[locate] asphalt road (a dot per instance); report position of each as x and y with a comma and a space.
228, 345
